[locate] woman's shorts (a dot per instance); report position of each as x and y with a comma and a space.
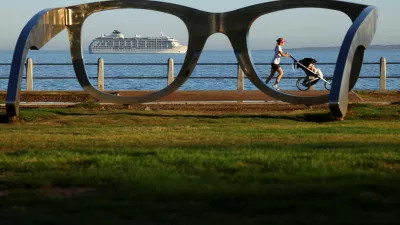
275, 66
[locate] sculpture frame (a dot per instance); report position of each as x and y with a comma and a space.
201, 25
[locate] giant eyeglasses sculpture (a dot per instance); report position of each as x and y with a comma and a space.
200, 25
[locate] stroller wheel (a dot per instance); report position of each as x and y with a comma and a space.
328, 85
303, 84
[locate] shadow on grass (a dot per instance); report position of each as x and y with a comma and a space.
374, 112
131, 154
87, 105
155, 150
63, 113
337, 198
32, 115
4, 118
306, 117
356, 111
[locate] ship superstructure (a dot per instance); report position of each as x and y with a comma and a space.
117, 43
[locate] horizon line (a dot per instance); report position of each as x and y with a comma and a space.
210, 49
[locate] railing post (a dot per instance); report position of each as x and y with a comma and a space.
382, 82
100, 74
240, 79
29, 74
170, 71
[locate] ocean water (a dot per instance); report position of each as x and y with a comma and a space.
323, 55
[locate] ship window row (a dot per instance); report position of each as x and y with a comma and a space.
123, 44
148, 45
127, 47
132, 44
100, 46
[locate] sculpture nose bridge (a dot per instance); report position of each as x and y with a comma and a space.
217, 22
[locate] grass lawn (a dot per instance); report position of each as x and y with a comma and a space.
93, 165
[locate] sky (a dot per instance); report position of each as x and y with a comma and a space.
300, 27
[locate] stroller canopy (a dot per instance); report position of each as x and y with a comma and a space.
304, 64
307, 61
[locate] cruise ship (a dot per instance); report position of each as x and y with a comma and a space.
116, 43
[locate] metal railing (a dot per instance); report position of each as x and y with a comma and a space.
170, 72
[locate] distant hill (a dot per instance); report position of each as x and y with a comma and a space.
337, 47
384, 46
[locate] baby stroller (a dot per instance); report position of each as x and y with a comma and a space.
312, 77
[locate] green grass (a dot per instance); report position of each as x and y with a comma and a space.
90, 165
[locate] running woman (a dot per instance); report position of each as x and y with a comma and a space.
276, 61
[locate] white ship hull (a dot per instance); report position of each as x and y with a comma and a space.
175, 50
